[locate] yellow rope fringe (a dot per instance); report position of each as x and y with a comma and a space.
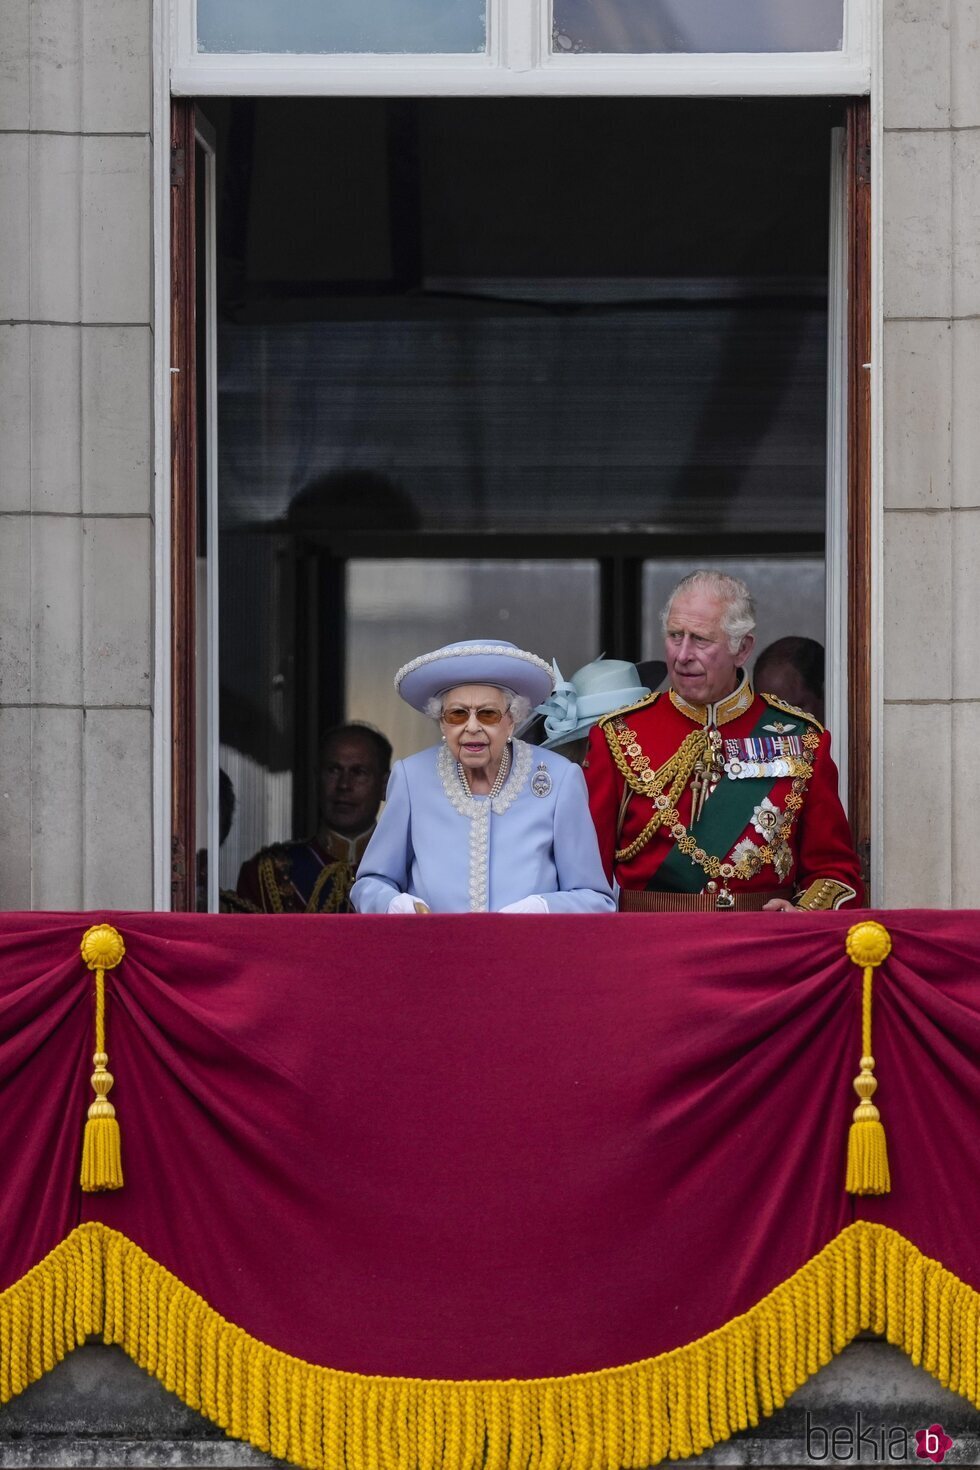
677, 1404
102, 949
868, 945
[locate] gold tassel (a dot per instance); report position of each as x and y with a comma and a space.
868, 945
102, 949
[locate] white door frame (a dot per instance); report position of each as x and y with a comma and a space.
835, 553
207, 628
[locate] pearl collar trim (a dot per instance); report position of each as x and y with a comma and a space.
466, 650
478, 810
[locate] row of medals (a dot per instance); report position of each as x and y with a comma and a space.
779, 757
745, 770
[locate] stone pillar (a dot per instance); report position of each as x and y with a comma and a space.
931, 553
76, 453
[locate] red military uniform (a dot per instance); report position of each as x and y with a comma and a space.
721, 806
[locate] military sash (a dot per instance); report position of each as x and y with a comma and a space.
726, 815
754, 765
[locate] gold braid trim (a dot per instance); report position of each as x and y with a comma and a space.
627, 709
825, 894
271, 893
678, 769
635, 768
674, 1405
791, 709
685, 757
233, 903
269, 885
343, 874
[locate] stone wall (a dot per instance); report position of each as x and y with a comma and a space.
931, 554
76, 568
76, 453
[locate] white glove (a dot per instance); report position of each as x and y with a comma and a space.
405, 903
533, 905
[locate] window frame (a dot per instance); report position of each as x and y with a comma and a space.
859, 631
519, 61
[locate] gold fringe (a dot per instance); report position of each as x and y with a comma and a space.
677, 1404
868, 945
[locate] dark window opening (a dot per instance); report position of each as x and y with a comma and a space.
501, 367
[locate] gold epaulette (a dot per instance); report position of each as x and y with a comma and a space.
627, 709
790, 709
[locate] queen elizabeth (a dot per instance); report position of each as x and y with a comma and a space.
482, 822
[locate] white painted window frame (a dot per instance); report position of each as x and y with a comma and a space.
519, 61
208, 632
835, 553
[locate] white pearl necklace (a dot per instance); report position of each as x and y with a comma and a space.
502, 774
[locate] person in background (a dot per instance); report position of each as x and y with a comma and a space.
652, 672
604, 685
228, 900
315, 875
709, 795
482, 821
792, 669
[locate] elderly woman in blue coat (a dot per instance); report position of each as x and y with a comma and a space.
481, 822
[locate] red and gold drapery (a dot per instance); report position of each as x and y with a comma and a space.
439, 1191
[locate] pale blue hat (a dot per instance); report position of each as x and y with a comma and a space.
604, 685
474, 661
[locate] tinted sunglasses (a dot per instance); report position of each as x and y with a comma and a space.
486, 715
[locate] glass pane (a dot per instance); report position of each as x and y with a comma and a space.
323, 26
788, 592
257, 720
471, 352
668, 416
697, 25
399, 609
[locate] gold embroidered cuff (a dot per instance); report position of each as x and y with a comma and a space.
825, 893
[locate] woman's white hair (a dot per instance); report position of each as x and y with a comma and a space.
738, 619
518, 705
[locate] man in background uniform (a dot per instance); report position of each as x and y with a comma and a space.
315, 874
709, 795
792, 669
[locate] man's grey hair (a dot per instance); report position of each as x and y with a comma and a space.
518, 705
738, 618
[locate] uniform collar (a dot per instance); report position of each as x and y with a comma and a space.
719, 714
345, 849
